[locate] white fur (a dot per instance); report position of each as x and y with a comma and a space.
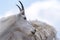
14, 23
44, 32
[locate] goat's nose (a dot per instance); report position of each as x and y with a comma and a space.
33, 32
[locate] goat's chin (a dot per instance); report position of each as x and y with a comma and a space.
30, 34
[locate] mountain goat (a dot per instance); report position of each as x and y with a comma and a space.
16, 22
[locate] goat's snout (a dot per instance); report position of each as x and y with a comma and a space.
33, 32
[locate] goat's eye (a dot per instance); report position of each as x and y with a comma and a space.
25, 18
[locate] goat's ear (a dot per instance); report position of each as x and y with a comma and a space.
21, 9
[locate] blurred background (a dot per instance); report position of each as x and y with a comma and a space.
47, 11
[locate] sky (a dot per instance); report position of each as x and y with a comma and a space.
47, 11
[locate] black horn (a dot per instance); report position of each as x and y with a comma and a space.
21, 8
21, 5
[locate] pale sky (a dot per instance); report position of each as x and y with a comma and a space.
43, 10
